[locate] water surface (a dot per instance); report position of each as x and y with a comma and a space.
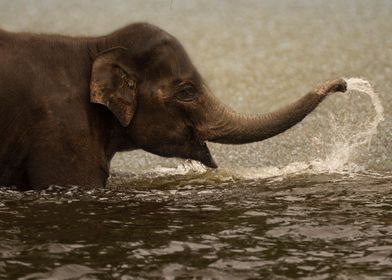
202, 225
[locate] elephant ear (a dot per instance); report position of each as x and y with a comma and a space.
114, 85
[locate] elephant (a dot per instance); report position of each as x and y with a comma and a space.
68, 104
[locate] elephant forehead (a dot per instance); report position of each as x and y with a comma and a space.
169, 59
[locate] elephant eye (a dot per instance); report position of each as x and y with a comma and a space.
186, 94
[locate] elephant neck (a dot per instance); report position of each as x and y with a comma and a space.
111, 134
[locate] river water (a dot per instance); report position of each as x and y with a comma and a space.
312, 203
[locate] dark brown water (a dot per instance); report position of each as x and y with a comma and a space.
202, 226
312, 203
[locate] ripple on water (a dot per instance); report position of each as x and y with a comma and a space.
308, 232
70, 271
298, 226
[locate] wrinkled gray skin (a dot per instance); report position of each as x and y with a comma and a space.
84, 99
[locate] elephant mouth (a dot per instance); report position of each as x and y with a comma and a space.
195, 151
203, 155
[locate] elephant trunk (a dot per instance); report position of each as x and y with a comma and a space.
226, 126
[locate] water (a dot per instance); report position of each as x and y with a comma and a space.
345, 146
202, 225
312, 203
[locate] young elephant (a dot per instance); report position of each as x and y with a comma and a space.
67, 105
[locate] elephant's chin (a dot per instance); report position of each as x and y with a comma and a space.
203, 155
198, 152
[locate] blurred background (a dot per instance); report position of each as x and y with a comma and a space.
256, 56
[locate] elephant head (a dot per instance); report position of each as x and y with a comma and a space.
145, 78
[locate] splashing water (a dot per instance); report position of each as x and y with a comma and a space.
342, 150
188, 166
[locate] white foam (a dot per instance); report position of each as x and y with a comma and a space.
273, 171
188, 166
